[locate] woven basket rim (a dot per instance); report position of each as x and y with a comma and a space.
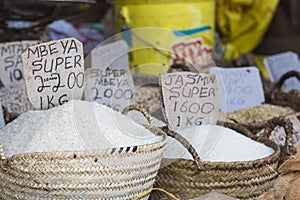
100, 151
139, 148
240, 179
268, 159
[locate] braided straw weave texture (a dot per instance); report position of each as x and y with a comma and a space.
243, 180
119, 173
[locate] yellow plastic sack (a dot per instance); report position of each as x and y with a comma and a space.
164, 32
242, 24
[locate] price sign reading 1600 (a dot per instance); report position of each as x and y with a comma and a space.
190, 99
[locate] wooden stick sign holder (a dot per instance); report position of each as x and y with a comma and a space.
2, 122
54, 72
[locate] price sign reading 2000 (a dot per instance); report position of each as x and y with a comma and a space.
54, 72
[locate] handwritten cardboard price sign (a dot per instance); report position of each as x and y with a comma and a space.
279, 64
189, 99
54, 72
11, 71
239, 88
112, 55
110, 87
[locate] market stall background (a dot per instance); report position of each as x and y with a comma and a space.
247, 34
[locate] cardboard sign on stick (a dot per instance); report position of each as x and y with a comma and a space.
54, 72
2, 122
11, 71
189, 99
239, 88
110, 87
112, 55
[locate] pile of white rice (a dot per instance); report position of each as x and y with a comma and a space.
217, 144
77, 125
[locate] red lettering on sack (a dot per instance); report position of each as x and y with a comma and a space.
193, 52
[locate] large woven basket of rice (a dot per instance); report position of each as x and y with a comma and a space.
189, 178
121, 172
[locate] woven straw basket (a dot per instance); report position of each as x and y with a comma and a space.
266, 128
276, 95
243, 180
118, 173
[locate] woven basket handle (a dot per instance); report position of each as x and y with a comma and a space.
140, 109
288, 128
286, 76
269, 125
186, 144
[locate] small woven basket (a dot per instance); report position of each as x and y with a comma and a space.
266, 128
188, 179
118, 173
